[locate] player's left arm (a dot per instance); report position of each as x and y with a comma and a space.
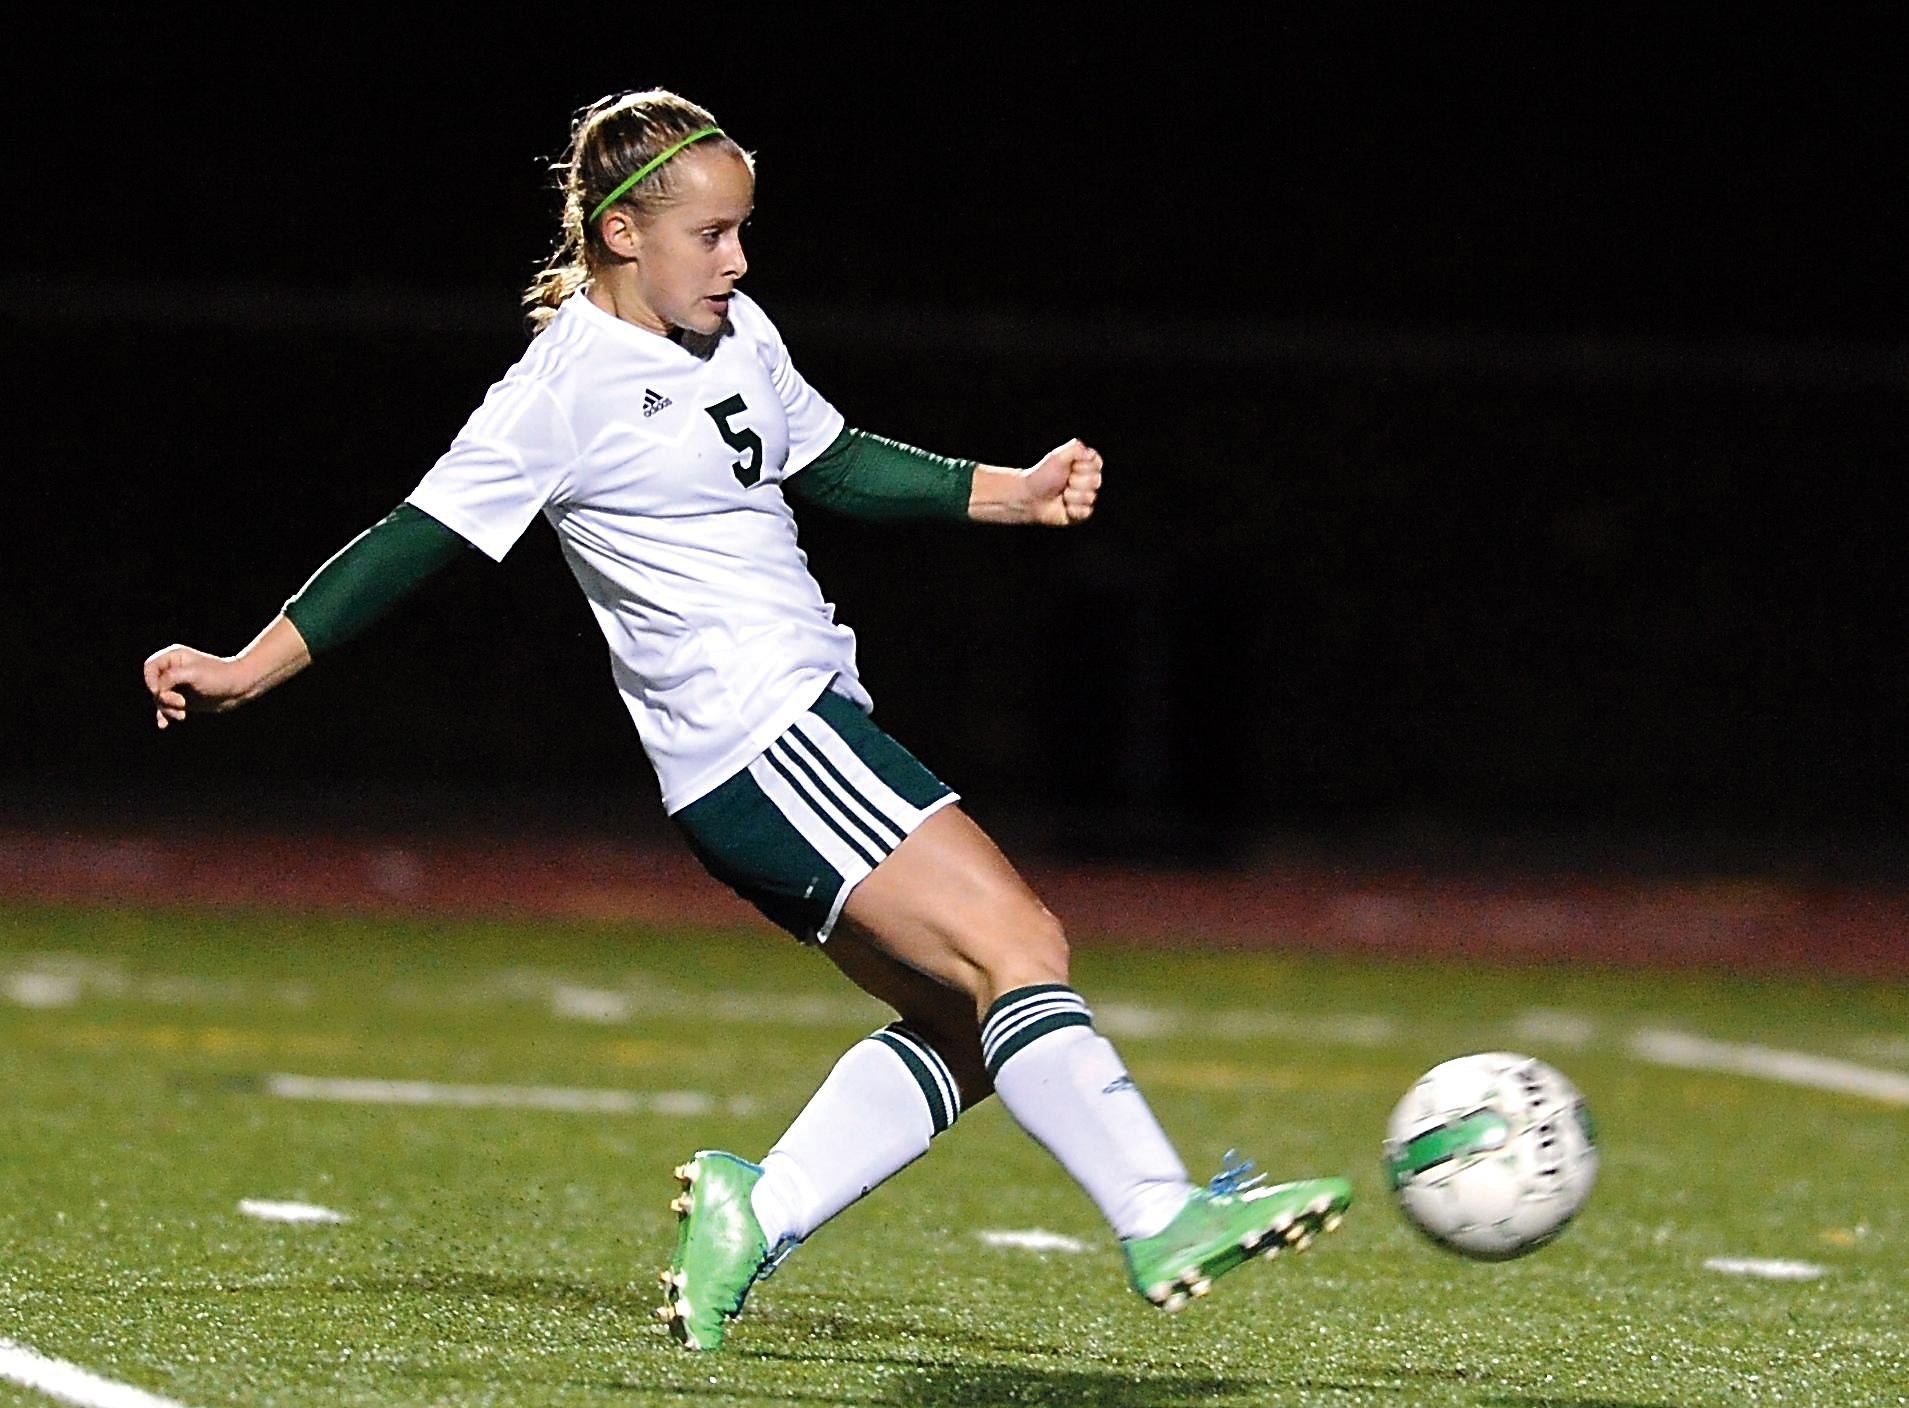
868, 476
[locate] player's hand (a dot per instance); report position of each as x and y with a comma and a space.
1062, 487
1057, 491
182, 680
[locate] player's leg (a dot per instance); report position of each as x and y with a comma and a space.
838, 834
942, 1016
881, 1105
794, 832
946, 903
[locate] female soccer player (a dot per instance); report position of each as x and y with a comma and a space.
657, 424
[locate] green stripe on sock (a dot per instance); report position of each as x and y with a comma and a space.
1034, 1031
938, 1114
1020, 995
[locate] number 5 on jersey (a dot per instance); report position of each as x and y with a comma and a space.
740, 438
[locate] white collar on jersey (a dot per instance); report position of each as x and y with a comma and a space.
693, 344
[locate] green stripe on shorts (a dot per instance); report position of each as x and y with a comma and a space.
889, 761
797, 828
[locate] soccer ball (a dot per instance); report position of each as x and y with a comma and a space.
1491, 1155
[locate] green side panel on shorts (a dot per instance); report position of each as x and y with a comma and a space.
744, 843
744, 840
887, 759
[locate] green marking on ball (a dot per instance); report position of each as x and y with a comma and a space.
1477, 1133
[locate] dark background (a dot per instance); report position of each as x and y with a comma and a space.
1503, 424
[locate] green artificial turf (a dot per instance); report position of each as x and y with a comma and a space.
501, 1255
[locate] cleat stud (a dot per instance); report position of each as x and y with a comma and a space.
665, 1313
665, 1277
1302, 1241
1199, 1288
1174, 1303
1332, 1223
685, 1174
1271, 1253
1282, 1223
1320, 1204
680, 1204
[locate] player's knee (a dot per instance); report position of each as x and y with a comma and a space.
1050, 944
1036, 953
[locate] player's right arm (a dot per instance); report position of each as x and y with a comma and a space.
365, 579
182, 680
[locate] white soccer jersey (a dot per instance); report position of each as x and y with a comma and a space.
660, 464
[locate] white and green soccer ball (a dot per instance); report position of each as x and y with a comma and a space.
1491, 1155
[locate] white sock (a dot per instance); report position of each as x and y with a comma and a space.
1064, 1083
874, 1115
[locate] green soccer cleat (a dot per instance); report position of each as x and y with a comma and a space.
1226, 1224
720, 1249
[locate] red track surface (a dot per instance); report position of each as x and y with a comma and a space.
1734, 926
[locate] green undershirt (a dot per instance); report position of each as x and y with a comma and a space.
863, 475
370, 575
868, 476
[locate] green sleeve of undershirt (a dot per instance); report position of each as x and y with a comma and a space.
867, 476
369, 575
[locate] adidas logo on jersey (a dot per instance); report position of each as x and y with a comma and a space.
653, 401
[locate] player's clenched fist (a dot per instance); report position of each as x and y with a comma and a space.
180, 678
1066, 483
184, 681
1058, 490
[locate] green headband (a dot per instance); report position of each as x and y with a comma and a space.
647, 167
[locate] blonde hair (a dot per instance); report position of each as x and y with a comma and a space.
609, 140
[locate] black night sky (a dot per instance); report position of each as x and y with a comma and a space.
1503, 424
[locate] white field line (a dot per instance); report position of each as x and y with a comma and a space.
268, 1210
1883, 1048
603, 1006
71, 1384
1555, 1027
1034, 1240
66, 979
1788, 1067
1768, 1270
565, 1099
52, 980
1132, 1021
41, 989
